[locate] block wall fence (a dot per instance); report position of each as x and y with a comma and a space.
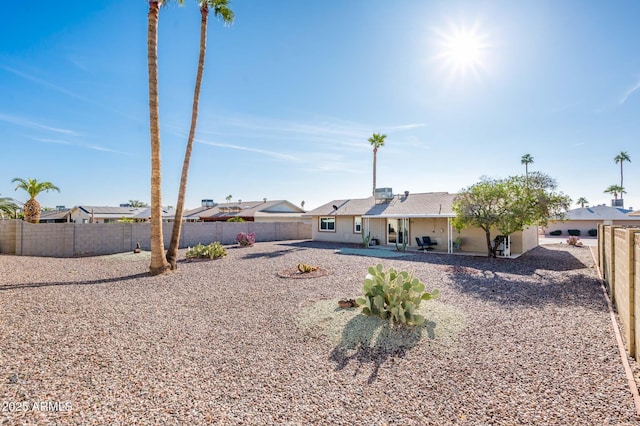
90, 239
619, 263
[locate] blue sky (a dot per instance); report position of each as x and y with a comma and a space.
293, 90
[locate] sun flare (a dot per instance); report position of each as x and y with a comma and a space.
462, 51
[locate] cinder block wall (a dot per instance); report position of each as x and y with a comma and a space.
78, 239
8, 236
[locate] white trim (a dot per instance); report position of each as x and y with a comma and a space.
407, 216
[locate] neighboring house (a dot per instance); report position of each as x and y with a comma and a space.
144, 215
389, 218
55, 216
193, 215
103, 214
255, 211
588, 218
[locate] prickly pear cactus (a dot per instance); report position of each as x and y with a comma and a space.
394, 295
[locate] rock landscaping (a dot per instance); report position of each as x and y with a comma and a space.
509, 341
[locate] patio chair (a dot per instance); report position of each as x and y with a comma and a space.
420, 244
428, 242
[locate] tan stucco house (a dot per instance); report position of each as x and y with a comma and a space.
585, 219
388, 218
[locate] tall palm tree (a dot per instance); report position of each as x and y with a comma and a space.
229, 198
526, 160
159, 262
376, 140
621, 158
32, 207
8, 207
615, 190
220, 10
582, 201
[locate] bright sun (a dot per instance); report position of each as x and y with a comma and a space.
461, 51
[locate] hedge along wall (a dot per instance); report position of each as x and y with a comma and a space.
88, 239
620, 268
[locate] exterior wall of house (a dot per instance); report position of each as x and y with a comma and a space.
435, 228
377, 229
343, 232
522, 242
473, 240
77, 239
585, 225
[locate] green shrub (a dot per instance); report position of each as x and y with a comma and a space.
593, 232
212, 251
394, 295
556, 232
574, 232
235, 219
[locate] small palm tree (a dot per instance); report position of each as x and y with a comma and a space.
526, 160
8, 207
376, 140
138, 203
229, 198
621, 158
582, 201
32, 207
615, 190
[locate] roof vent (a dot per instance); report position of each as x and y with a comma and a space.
406, 193
383, 193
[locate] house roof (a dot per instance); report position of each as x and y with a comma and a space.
145, 213
601, 212
250, 209
194, 213
54, 214
106, 212
430, 204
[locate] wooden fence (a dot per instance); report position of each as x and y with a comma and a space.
619, 263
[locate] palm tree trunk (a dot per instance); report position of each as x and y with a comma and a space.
172, 252
621, 179
158, 260
374, 172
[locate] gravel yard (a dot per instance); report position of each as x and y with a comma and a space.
522, 341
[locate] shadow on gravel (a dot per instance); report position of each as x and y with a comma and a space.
270, 254
540, 258
541, 289
366, 344
64, 283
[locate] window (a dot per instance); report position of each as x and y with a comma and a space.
357, 225
328, 224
